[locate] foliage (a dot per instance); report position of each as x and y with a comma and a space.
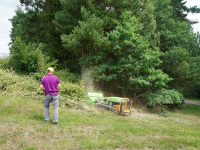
4, 59
27, 59
179, 44
23, 86
126, 53
43, 62
66, 76
25, 26
165, 97
173, 33
184, 69
129, 63
35, 25
23, 57
176, 64
88, 35
179, 9
74, 90
67, 18
18, 85
96, 19
164, 112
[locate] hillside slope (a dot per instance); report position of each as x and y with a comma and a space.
22, 127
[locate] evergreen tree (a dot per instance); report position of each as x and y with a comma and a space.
122, 59
25, 25
109, 12
35, 25
179, 44
180, 10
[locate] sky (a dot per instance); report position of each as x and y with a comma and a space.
8, 8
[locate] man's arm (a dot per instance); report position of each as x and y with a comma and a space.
58, 87
41, 87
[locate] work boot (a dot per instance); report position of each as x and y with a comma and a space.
45, 120
55, 123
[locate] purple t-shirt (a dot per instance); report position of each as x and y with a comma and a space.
50, 83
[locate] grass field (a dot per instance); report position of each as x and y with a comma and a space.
22, 127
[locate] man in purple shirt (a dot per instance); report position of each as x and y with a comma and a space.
50, 85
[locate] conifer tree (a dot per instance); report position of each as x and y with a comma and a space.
35, 25
179, 44
180, 10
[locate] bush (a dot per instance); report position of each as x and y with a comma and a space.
18, 85
4, 59
26, 59
26, 86
66, 76
23, 58
165, 97
74, 90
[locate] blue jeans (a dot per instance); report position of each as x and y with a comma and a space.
55, 102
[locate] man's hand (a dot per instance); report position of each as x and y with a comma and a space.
41, 87
58, 87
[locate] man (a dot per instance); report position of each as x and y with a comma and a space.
50, 85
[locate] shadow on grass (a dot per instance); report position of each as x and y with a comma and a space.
190, 109
38, 117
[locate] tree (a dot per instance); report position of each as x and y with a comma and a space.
35, 25
180, 9
25, 25
109, 13
23, 57
128, 64
179, 43
26, 59
88, 36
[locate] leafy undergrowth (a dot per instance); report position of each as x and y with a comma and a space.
22, 127
71, 94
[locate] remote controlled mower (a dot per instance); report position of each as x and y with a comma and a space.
115, 104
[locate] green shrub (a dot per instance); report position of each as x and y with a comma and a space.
38, 76
164, 112
4, 59
23, 58
26, 86
26, 59
44, 61
66, 76
74, 90
165, 97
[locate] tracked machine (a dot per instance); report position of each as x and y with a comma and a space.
117, 105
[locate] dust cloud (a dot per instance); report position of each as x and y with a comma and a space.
87, 80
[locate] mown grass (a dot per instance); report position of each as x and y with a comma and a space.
22, 127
